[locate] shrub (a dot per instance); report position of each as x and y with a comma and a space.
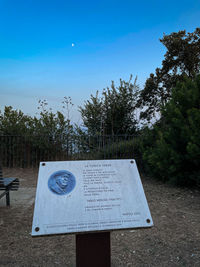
175, 155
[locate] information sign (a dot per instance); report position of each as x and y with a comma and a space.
82, 196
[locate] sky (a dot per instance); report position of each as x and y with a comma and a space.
52, 49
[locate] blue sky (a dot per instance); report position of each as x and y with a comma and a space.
113, 39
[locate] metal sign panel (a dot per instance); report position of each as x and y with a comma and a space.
81, 196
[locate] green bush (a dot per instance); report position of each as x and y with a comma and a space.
175, 154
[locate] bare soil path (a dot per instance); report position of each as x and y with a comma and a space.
173, 241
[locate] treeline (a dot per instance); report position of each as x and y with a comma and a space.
163, 117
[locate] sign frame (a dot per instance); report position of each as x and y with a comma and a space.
95, 188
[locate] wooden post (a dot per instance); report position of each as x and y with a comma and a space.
7, 197
93, 250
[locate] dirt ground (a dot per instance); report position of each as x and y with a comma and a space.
173, 241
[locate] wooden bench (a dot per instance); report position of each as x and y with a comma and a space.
7, 185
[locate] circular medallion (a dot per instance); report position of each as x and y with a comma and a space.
61, 182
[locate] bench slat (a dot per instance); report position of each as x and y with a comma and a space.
12, 183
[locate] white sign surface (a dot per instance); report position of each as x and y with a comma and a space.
80, 196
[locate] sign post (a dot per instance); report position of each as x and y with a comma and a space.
93, 250
89, 196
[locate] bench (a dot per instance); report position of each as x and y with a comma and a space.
7, 185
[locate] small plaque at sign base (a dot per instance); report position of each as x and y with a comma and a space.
88, 196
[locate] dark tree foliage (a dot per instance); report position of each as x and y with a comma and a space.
92, 114
14, 122
24, 138
174, 155
113, 112
182, 58
119, 108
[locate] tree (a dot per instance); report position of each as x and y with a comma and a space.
113, 112
175, 154
182, 58
14, 122
119, 106
53, 124
44, 136
93, 114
